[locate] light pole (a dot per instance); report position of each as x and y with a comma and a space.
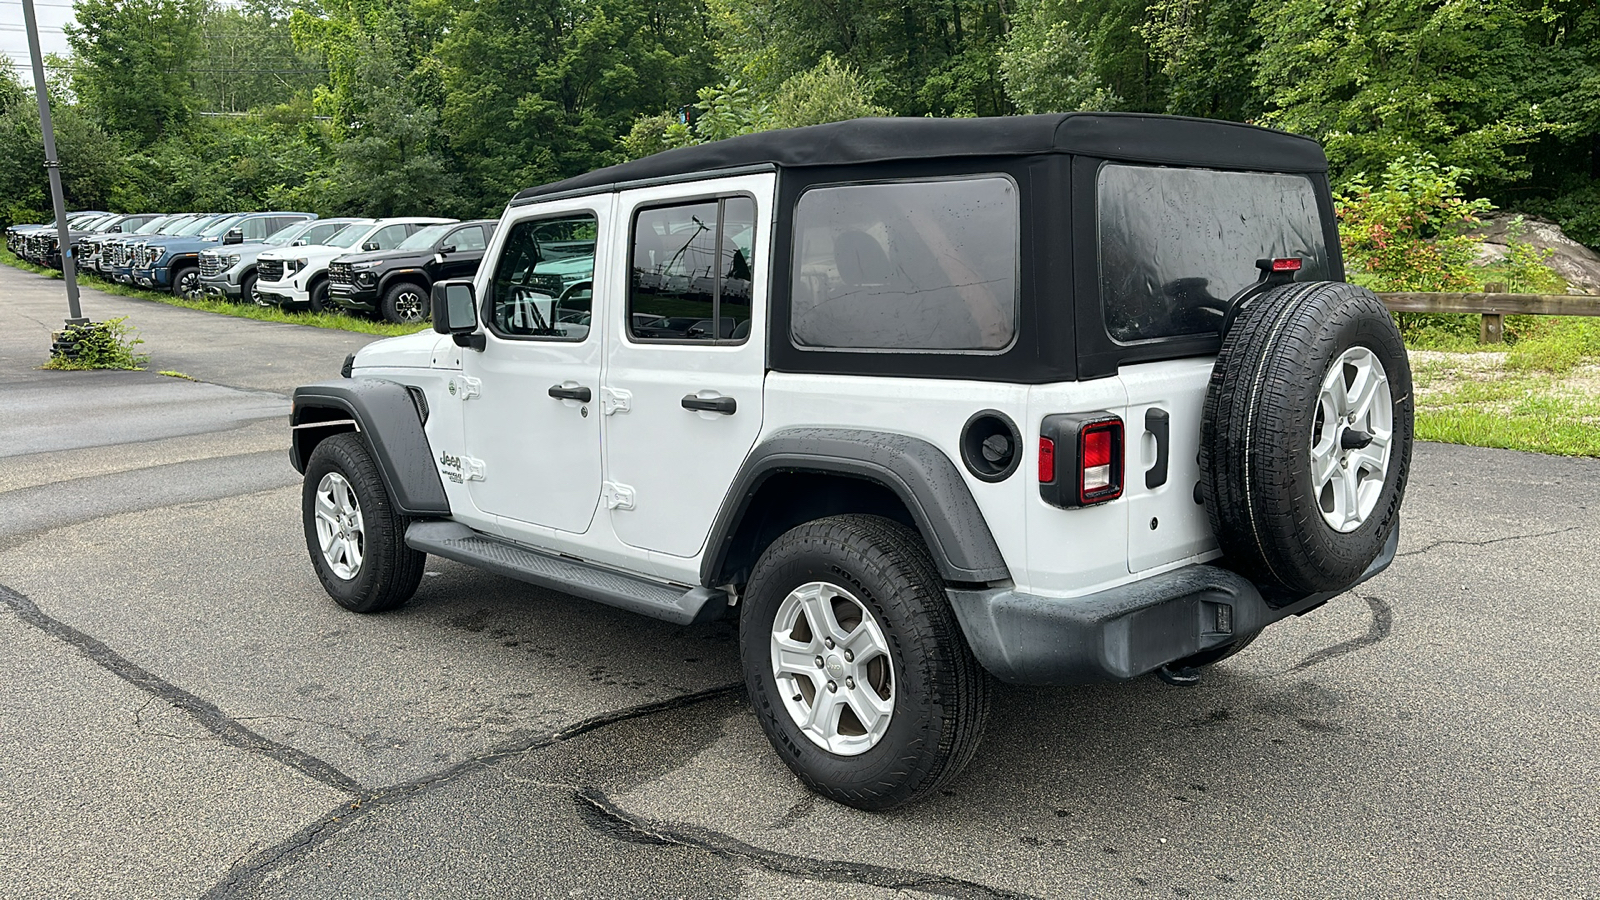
69, 265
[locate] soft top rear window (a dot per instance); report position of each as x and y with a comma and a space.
1175, 244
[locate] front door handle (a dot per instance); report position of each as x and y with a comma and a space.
580, 394
724, 405
1158, 423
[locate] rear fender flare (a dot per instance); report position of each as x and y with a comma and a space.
921, 475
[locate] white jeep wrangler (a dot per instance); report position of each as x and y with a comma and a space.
919, 401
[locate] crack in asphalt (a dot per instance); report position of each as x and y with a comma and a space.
1484, 543
244, 877
1382, 625
603, 815
203, 712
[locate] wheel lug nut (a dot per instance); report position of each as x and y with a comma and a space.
849, 657
1344, 463
828, 642
819, 662
850, 683
833, 687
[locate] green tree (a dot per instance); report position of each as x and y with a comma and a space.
91, 159
132, 62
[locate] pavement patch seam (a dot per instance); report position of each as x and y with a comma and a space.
205, 713
248, 874
1484, 543
604, 815
1382, 625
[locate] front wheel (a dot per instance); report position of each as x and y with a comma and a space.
247, 290
355, 537
856, 667
186, 284
319, 296
405, 304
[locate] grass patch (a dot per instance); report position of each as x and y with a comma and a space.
17, 262
170, 373
1484, 401
334, 320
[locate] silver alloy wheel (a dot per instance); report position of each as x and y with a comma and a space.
1350, 439
408, 306
340, 530
833, 668
189, 284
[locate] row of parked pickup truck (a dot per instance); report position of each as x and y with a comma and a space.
294, 260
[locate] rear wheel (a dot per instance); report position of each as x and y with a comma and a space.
856, 667
355, 537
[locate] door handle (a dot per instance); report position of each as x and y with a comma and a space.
580, 394
1158, 423
724, 405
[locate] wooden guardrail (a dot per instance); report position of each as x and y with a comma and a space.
1494, 305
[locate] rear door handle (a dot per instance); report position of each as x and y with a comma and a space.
1158, 423
580, 394
725, 405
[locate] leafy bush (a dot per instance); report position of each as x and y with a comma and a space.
1408, 232
1524, 269
100, 345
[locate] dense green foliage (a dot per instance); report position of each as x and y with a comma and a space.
448, 106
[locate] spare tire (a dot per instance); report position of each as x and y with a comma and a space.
1305, 443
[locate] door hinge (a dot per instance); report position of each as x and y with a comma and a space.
618, 496
615, 400
464, 387
473, 469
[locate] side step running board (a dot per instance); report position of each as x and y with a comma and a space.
453, 540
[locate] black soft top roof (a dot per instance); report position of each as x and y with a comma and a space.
1173, 140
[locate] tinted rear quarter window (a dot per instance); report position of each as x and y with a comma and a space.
1175, 244
912, 265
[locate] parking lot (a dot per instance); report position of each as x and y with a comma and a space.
186, 714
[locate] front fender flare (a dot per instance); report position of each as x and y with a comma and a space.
390, 424
919, 473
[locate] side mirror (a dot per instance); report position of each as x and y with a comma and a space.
299, 242
369, 246
455, 312
235, 236
447, 248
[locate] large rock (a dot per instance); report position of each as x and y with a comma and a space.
1579, 265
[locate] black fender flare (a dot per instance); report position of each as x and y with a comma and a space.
921, 475
390, 422
416, 276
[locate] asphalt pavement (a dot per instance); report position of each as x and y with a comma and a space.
184, 713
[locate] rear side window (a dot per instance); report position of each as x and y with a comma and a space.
691, 273
1175, 244
912, 265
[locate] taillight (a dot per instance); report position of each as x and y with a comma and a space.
1100, 462
1080, 459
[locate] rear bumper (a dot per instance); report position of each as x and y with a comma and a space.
1125, 631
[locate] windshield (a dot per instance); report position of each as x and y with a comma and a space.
222, 227
424, 239
193, 227
154, 225
90, 223
350, 235
287, 235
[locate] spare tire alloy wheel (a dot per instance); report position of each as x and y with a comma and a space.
1350, 439
832, 665
1305, 442
855, 665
